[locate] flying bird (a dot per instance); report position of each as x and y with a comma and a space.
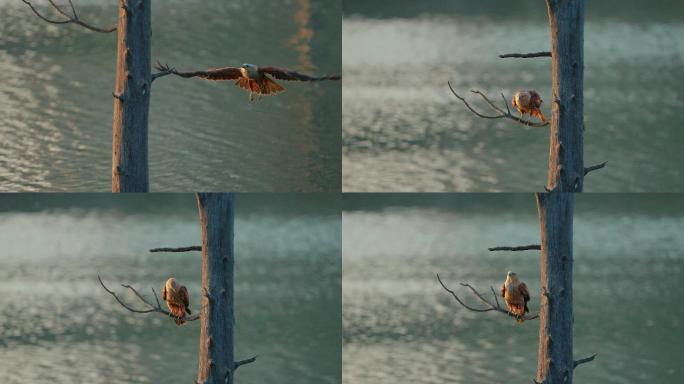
528, 102
252, 78
176, 297
515, 295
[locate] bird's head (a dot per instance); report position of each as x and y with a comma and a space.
248, 66
511, 276
171, 284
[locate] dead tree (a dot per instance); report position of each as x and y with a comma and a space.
216, 360
131, 89
566, 169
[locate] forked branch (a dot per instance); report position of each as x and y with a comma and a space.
150, 307
501, 114
163, 70
489, 305
67, 18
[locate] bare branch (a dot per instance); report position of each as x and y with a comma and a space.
150, 306
517, 248
68, 19
163, 69
180, 249
501, 114
243, 362
584, 360
490, 305
526, 55
594, 167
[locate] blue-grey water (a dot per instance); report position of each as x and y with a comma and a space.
400, 326
404, 131
56, 83
57, 325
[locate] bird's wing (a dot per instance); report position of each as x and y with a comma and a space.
286, 74
183, 292
503, 290
164, 293
225, 73
522, 287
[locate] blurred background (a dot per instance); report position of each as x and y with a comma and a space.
56, 85
57, 324
401, 326
403, 130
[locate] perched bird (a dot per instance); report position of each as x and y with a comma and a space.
252, 78
176, 297
516, 296
528, 102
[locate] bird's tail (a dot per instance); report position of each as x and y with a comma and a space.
539, 114
519, 320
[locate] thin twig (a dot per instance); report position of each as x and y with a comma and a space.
594, 167
69, 19
243, 362
526, 55
501, 114
584, 360
517, 248
180, 249
490, 305
151, 307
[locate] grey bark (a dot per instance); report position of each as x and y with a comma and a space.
216, 362
131, 98
566, 164
554, 360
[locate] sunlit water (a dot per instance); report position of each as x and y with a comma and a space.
57, 325
56, 104
401, 326
404, 131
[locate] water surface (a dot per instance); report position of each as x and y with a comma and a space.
57, 325
404, 131
56, 104
401, 326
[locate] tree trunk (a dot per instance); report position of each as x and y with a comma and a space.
216, 363
131, 98
566, 164
554, 360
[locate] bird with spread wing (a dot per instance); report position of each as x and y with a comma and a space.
176, 297
252, 78
516, 296
528, 102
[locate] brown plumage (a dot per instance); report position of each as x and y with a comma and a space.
255, 80
528, 102
176, 297
516, 296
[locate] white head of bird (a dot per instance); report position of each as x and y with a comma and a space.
172, 285
249, 70
511, 276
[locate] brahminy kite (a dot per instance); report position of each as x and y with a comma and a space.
176, 297
528, 102
516, 296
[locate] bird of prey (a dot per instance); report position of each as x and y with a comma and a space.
176, 297
528, 102
254, 79
515, 295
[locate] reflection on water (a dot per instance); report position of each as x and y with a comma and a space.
403, 130
400, 326
56, 320
56, 104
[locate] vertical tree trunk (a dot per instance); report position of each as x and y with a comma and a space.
554, 360
216, 363
566, 164
131, 98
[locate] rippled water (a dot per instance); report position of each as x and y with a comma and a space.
401, 326
57, 325
404, 131
56, 103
